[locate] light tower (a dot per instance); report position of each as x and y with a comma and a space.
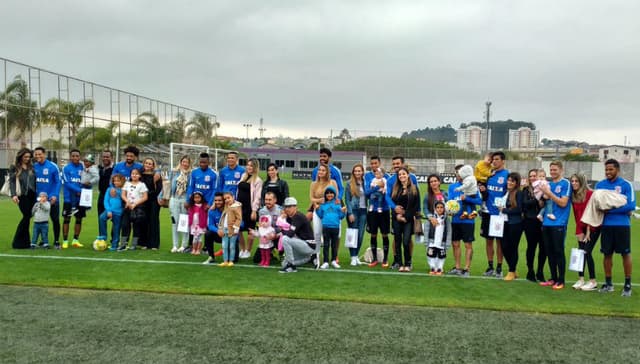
487, 115
247, 126
261, 129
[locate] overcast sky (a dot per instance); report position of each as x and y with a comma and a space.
570, 67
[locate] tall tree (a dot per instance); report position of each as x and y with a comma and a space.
150, 129
22, 112
71, 114
177, 127
202, 129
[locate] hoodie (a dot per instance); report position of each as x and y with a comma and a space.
469, 183
330, 212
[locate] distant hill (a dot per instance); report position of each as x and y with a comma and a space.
438, 134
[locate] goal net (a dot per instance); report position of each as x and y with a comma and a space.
178, 150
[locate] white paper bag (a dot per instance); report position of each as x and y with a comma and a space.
351, 241
496, 226
183, 223
86, 197
576, 262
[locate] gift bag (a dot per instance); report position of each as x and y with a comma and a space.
576, 262
496, 226
6, 187
351, 241
183, 223
86, 197
368, 255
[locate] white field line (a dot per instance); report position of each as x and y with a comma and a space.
343, 270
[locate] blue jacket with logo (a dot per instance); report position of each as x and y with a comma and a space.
229, 178
47, 178
496, 188
205, 182
123, 169
71, 183
619, 216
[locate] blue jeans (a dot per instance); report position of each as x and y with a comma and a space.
41, 229
229, 247
115, 228
359, 223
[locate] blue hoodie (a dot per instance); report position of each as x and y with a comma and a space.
47, 178
330, 212
113, 204
71, 185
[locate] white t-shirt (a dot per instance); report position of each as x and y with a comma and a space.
134, 192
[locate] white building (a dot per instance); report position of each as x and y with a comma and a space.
620, 153
524, 138
473, 139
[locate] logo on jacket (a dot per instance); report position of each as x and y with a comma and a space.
501, 180
207, 178
236, 175
618, 189
45, 171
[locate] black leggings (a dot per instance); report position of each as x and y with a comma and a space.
402, 240
533, 232
21, 239
330, 236
510, 243
209, 238
588, 257
139, 223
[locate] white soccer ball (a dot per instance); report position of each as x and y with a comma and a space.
452, 207
99, 245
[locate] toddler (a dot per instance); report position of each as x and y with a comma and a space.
469, 188
282, 225
537, 192
197, 220
266, 233
377, 197
113, 208
330, 213
40, 212
438, 235
229, 227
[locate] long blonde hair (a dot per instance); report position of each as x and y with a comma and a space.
580, 194
256, 171
353, 183
319, 185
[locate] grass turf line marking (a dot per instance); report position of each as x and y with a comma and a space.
147, 261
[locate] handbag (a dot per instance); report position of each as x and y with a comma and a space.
6, 187
576, 262
351, 240
183, 223
496, 226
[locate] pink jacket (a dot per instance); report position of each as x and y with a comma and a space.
202, 214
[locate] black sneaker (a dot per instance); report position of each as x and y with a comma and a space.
122, 248
289, 268
56, 245
464, 273
33, 246
626, 291
606, 288
395, 266
499, 273
489, 272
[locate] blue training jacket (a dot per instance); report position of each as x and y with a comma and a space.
47, 179
71, 186
205, 182
619, 216
228, 179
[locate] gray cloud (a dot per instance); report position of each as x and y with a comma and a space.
310, 66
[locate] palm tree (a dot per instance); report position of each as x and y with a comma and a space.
21, 110
203, 129
60, 112
149, 127
176, 128
94, 138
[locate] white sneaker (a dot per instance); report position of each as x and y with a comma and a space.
243, 254
180, 250
174, 250
324, 265
335, 264
635, 215
358, 262
589, 286
354, 261
578, 284
208, 261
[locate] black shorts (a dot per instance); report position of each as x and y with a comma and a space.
67, 211
484, 224
436, 253
378, 220
615, 239
464, 232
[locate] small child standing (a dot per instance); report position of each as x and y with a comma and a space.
377, 197
40, 212
229, 228
438, 235
197, 220
469, 188
537, 192
113, 208
330, 212
266, 233
282, 225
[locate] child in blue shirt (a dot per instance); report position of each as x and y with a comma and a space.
330, 212
113, 207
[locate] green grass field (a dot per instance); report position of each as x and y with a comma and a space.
357, 302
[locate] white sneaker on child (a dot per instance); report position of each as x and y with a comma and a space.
354, 262
174, 250
335, 264
324, 265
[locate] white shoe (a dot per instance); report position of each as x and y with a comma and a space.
578, 284
324, 265
174, 250
358, 261
335, 264
180, 250
589, 286
354, 261
208, 261
242, 254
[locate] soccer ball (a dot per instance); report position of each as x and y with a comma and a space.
99, 244
452, 207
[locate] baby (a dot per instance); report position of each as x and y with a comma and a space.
470, 188
537, 192
377, 197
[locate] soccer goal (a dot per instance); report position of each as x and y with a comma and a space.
177, 150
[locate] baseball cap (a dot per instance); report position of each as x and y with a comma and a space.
290, 201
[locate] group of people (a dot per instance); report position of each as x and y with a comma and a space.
234, 206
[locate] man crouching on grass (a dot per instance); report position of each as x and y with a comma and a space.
297, 241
